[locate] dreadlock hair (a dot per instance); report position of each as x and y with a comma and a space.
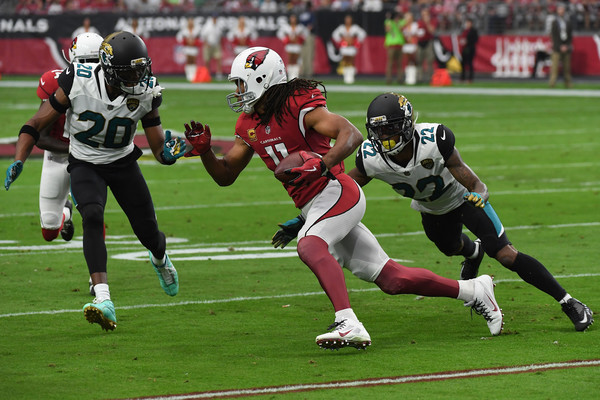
277, 98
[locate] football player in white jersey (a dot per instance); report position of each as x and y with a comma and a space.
420, 161
103, 103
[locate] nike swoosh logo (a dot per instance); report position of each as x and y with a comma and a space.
68, 71
312, 169
42, 82
342, 334
492, 301
585, 319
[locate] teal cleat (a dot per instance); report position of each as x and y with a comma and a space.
101, 313
167, 275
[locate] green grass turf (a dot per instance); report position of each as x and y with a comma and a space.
245, 323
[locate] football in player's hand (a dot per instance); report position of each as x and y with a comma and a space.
291, 161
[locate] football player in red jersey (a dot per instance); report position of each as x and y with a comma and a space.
281, 117
55, 207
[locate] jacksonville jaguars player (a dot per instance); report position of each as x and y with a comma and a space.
281, 117
103, 103
421, 162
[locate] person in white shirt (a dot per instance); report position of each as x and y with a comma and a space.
189, 38
349, 37
292, 35
211, 35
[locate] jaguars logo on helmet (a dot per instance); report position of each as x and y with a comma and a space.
390, 123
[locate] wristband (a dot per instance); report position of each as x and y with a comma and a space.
30, 130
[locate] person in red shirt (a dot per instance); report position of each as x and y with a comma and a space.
281, 117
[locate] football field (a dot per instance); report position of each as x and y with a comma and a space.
246, 316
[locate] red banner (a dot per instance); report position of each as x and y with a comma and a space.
498, 56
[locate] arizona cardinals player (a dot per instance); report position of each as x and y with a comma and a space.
104, 103
420, 161
55, 207
281, 117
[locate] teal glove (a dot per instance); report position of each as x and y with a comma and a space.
12, 173
289, 230
475, 198
173, 148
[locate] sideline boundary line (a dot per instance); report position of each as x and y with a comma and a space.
394, 380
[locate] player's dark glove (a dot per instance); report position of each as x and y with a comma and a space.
287, 232
12, 173
199, 137
173, 148
475, 199
312, 169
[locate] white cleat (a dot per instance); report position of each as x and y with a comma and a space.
485, 304
345, 333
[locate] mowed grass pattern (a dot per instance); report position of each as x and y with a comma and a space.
247, 315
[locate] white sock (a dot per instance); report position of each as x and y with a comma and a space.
67, 214
565, 299
476, 251
102, 292
346, 313
159, 262
466, 290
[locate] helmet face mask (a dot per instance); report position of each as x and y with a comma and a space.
254, 71
85, 48
390, 123
124, 59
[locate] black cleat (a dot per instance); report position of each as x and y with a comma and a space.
580, 314
68, 229
470, 266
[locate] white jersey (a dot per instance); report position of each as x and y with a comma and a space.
425, 179
101, 130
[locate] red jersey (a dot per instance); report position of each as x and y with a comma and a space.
273, 142
48, 85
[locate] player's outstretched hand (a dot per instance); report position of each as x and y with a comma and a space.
173, 148
199, 137
475, 198
12, 173
312, 169
287, 232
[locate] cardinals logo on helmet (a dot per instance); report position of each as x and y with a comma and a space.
256, 59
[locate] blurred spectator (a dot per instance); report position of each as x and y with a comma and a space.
425, 54
268, 6
372, 5
410, 31
348, 37
394, 40
292, 35
54, 7
29, 7
561, 33
307, 55
211, 35
468, 41
242, 36
189, 38
136, 28
85, 27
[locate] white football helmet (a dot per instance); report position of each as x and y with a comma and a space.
84, 48
254, 70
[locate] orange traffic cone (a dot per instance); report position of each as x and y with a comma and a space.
202, 75
441, 77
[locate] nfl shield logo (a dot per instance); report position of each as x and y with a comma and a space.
132, 104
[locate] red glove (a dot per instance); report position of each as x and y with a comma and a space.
312, 169
199, 137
